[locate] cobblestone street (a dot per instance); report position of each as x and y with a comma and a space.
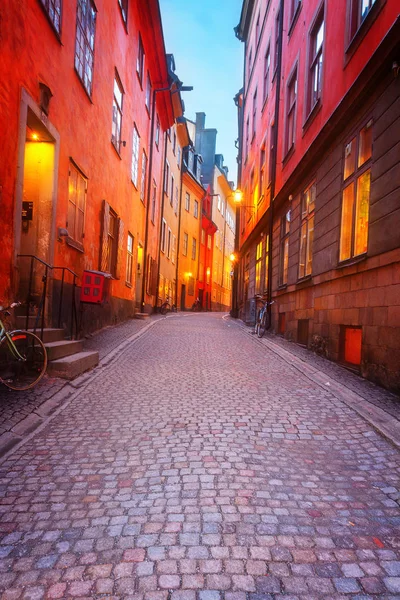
178, 472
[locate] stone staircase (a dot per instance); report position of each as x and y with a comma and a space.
66, 358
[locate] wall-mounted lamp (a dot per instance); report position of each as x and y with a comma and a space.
395, 68
62, 232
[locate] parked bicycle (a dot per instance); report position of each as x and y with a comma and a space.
23, 357
196, 306
166, 307
263, 317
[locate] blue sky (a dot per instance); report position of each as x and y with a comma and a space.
208, 56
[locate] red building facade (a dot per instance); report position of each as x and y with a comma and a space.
84, 120
319, 165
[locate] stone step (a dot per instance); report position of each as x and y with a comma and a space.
49, 334
70, 367
63, 348
141, 315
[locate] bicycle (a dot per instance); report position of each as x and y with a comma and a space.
23, 357
263, 318
167, 307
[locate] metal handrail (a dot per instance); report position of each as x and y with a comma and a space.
43, 299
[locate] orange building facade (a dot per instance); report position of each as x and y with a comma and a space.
85, 122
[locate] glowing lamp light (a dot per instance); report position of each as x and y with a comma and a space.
35, 136
237, 196
232, 257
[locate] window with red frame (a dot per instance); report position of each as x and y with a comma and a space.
291, 101
316, 42
359, 10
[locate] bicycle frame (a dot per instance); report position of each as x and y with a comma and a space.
5, 334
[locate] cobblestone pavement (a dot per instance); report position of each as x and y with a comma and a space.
182, 473
17, 406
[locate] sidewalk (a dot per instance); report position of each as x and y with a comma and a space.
23, 412
379, 406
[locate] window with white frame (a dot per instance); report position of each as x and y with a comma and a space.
135, 156
194, 248
153, 202
176, 202
307, 230
129, 259
123, 4
117, 113
171, 198
196, 209
140, 60
316, 47
148, 92
169, 243
143, 177
163, 234
157, 136
84, 43
166, 180
173, 250
267, 66
187, 201
185, 244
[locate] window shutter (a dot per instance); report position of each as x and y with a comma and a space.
120, 248
104, 237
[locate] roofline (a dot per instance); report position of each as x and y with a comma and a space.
242, 29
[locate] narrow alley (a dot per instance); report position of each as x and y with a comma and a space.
195, 466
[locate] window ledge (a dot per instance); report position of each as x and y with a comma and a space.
129, 285
282, 287
74, 244
311, 115
294, 19
351, 261
83, 85
116, 150
304, 281
288, 155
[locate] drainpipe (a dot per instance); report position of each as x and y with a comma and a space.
178, 245
161, 218
274, 158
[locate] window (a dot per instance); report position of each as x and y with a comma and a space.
284, 249
163, 234
117, 113
169, 243
267, 65
258, 30
249, 64
259, 249
203, 237
77, 186
291, 111
174, 143
157, 136
171, 197
271, 153
316, 60
355, 195
111, 241
166, 177
254, 114
123, 4
196, 209
135, 157
261, 182
307, 230
359, 10
153, 202
129, 259
209, 241
294, 6
143, 178
173, 251
176, 200
53, 10
148, 92
140, 61
178, 160
194, 248
84, 43
187, 201
266, 262
185, 244
277, 37
247, 137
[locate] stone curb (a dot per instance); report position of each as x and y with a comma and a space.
380, 420
26, 429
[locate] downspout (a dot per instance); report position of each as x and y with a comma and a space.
274, 160
161, 219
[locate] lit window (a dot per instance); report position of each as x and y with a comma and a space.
129, 259
77, 186
140, 60
124, 9
291, 111
284, 249
258, 267
356, 195
117, 113
53, 10
84, 43
307, 230
316, 62
135, 157
266, 262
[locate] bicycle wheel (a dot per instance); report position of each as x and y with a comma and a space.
20, 374
164, 309
263, 324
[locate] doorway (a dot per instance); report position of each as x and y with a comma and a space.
183, 297
139, 275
